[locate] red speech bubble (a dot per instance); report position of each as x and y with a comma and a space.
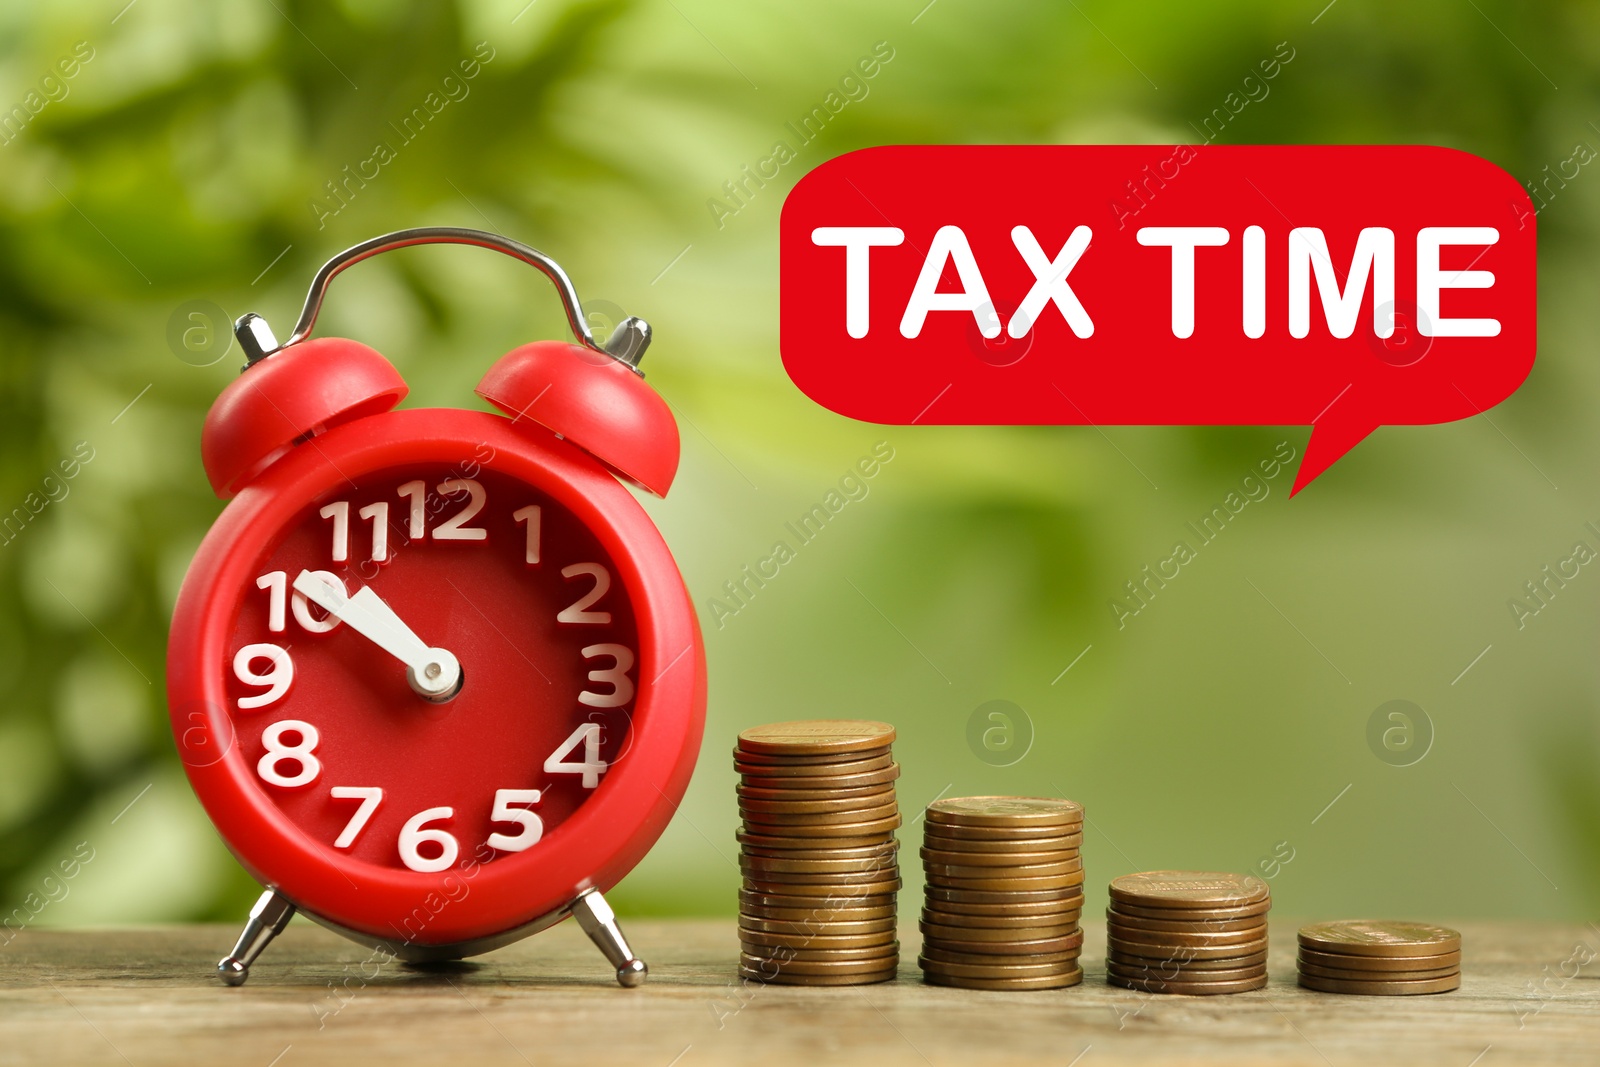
1344, 287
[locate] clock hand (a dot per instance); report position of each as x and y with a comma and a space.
433, 672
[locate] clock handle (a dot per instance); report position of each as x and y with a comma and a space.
600, 923
628, 340
267, 920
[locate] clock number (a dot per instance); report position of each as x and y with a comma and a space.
413, 837
276, 583
370, 797
417, 491
579, 612
616, 676
302, 606
278, 751
379, 514
530, 515
453, 529
532, 825
276, 678
592, 767
339, 512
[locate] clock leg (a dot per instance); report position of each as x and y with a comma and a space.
270, 915
600, 923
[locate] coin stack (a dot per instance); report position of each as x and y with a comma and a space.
1380, 958
818, 852
1004, 892
1192, 932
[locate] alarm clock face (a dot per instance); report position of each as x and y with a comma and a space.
406, 808
476, 563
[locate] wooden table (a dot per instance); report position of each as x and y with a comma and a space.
148, 996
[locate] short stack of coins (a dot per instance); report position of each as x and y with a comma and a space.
1385, 959
818, 853
1187, 932
1004, 893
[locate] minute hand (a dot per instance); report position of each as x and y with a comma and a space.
433, 672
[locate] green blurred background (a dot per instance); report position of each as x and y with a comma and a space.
185, 161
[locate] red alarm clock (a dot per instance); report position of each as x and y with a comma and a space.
433, 674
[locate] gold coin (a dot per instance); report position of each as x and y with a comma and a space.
1000, 860
1010, 885
812, 844
1070, 919
778, 880
1193, 989
787, 775
841, 901
1010, 941
967, 847
826, 830
811, 776
1154, 974
1381, 988
1188, 889
1368, 937
780, 823
1147, 950
777, 978
833, 890
818, 914
1167, 965
1353, 974
745, 792
816, 939
1380, 963
1067, 900
853, 780
816, 737
1165, 914
1019, 951
972, 897
1119, 933
944, 871
787, 955
1018, 834
772, 964
984, 933
842, 886
999, 922
743, 755
749, 924
834, 895
1005, 811
1254, 968
992, 971
849, 865
1116, 917
816, 807
886, 851
935, 950
805, 952
1170, 967
1010, 985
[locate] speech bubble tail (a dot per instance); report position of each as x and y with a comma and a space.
1330, 440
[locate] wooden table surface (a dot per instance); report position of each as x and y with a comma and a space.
148, 996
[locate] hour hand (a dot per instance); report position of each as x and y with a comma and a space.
433, 672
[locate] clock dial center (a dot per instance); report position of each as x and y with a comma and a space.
433, 673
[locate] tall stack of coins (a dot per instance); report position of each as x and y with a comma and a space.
1004, 892
1193, 932
818, 852
1380, 958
